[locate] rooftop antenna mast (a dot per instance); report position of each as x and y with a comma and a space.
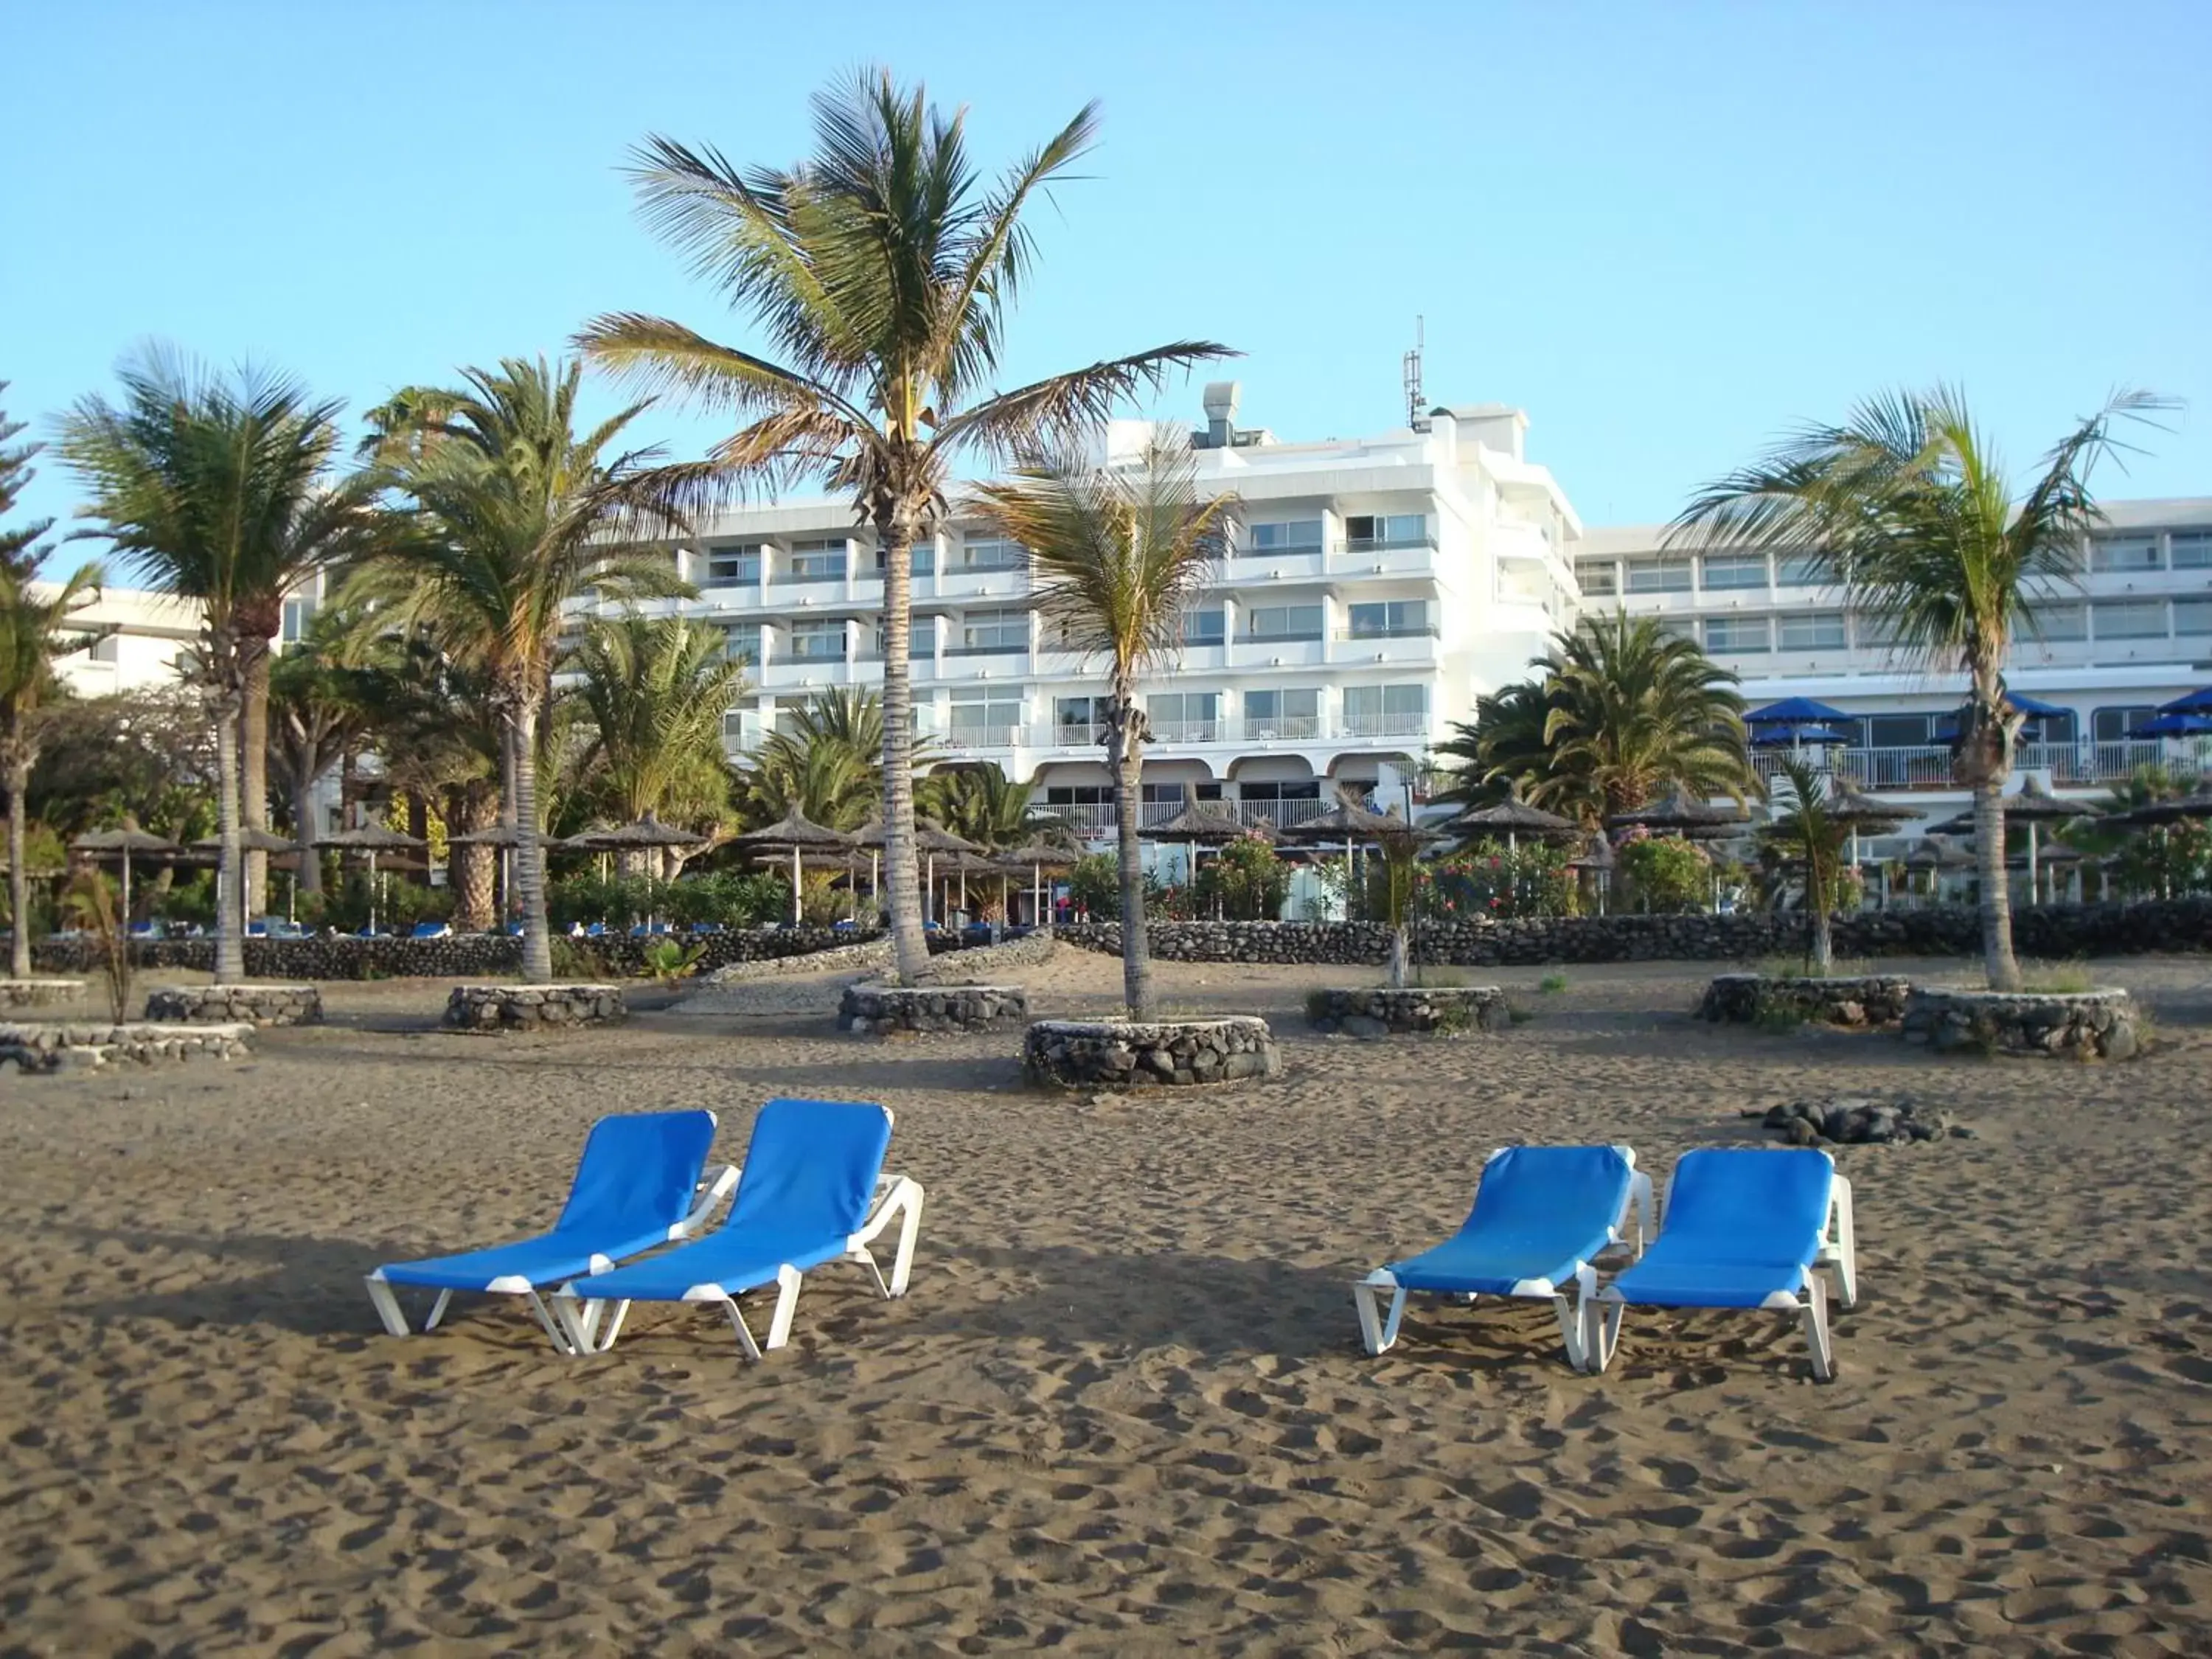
1414, 418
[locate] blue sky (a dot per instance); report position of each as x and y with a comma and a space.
1667, 231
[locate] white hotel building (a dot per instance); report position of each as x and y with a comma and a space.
2135, 632
1374, 587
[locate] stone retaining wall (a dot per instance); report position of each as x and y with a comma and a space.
492, 1008
1450, 1009
1750, 998
2048, 931
2057, 1024
877, 1009
1120, 1054
51, 1047
235, 1005
40, 992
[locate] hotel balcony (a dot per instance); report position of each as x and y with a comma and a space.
1098, 820
1925, 768
1415, 643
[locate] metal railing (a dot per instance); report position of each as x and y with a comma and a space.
1399, 545
1098, 818
1303, 636
1384, 725
1187, 731
1391, 631
1285, 727
1016, 649
801, 578
1928, 766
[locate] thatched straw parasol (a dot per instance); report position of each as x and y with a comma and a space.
1678, 815
1037, 857
373, 839
125, 841
794, 832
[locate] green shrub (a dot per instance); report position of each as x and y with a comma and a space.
1551, 983
1245, 881
1666, 873
574, 959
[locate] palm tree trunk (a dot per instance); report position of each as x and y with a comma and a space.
1128, 755
253, 768
306, 828
530, 854
229, 870
470, 808
910, 943
18, 877
2002, 967
1820, 955
506, 900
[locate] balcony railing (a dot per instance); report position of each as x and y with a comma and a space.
1287, 728
801, 578
1391, 631
962, 739
1019, 648
1927, 766
1303, 636
1400, 544
739, 578
1384, 725
1277, 552
1097, 819
1186, 731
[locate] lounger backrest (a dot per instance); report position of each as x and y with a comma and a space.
1753, 1206
1543, 1192
639, 1172
812, 1167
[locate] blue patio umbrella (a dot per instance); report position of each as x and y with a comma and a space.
2174, 725
2198, 701
1794, 711
2034, 706
1796, 737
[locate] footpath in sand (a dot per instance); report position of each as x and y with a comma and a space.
1124, 1410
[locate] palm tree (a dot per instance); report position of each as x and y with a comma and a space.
882, 270
34, 630
507, 522
828, 765
1621, 712
319, 707
981, 803
652, 692
1907, 507
1116, 557
1803, 831
219, 493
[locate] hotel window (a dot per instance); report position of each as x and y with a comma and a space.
1204, 626
820, 561
1293, 789
1386, 710
2124, 553
1283, 621
1678, 627
2192, 616
1801, 570
1184, 716
2132, 619
1734, 570
1873, 629
1390, 619
1079, 720
742, 643
984, 633
993, 715
921, 639
1896, 731
2059, 622
2193, 550
298, 613
1291, 536
2112, 724
1736, 636
733, 566
924, 556
1599, 579
817, 642
1367, 532
990, 553
1282, 713
1170, 795
1812, 630
1655, 576
109, 647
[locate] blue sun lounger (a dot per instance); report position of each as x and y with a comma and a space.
642, 1181
1542, 1216
812, 1190
1748, 1228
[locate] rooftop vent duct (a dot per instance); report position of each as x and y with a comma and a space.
1222, 398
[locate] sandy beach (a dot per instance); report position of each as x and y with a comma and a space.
1125, 1409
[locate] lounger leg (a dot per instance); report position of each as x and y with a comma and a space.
614, 1318
559, 1337
786, 1304
438, 1310
1602, 1337
744, 1333
909, 1234
387, 1306
1574, 1322
1377, 1332
1816, 1330
1846, 1242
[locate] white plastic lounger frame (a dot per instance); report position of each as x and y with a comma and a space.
1379, 1330
1838, 1253
896, 1198
716, 1183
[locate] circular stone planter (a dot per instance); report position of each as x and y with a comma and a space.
533, 1007
878, 1010
40, 992
237, 1005
1447, 1009
1122, 1054
1754, 999
2062, 1024
56, 1047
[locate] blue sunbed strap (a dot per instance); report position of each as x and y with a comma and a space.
639, 1173
812, 1167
